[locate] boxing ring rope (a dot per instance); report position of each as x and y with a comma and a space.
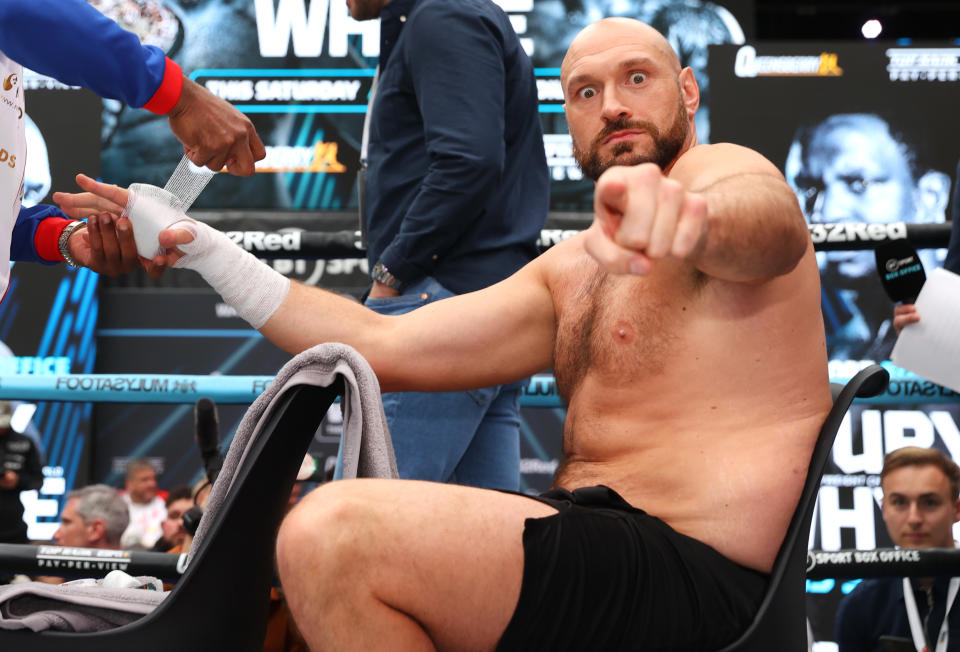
821, 564
839, 236
883, 562
66, 561
539, 392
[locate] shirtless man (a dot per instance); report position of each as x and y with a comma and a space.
685, 332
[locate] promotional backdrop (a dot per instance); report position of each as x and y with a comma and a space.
863, 133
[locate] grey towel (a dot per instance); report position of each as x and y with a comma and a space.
367, 451
79, 606
86, 606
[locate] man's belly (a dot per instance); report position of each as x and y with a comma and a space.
734, 490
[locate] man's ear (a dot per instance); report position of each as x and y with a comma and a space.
690, 91
96, 530
956, 510
933, 193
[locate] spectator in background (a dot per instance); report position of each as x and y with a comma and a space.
147, 509
93, 517
179, 501
920, 505
856, 167
20, 470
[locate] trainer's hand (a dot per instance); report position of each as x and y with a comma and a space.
214, 133
639, 216
904, 315
107, 247
98, 198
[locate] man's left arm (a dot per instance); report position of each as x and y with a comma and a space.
754, 227
459, 79
724, 209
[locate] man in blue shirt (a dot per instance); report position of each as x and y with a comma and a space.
456, 194
920, 506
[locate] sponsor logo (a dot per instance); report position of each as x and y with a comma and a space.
749, 64
322, 157
125, 384
893, 264
10, 82
924, 64
262, 241
853, 232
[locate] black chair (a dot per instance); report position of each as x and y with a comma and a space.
780, 623
221, 601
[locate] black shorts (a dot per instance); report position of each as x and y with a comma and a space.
603, 575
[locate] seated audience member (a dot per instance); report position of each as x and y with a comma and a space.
685, 333
920, 506
179, 500
147, 509
93, 517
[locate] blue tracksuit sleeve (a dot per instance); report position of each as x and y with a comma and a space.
24, 233
76, 44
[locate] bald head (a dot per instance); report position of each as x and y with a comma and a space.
611, 34
626, 97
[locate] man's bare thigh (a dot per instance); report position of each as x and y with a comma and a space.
449, 556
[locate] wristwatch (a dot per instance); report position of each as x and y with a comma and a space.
381, 274
65, 237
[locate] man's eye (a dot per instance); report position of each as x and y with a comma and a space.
637, 78
588, 92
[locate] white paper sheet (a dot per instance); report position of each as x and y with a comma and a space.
931, 347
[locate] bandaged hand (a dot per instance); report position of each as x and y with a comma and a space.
253, 288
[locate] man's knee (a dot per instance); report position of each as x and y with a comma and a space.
327, 527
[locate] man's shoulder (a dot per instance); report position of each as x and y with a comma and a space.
718, 160
428, 12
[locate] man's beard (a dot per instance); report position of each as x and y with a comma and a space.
666, 146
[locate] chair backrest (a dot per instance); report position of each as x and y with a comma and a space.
221, 602
780, 622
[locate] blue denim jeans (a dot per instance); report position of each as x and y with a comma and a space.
470, 438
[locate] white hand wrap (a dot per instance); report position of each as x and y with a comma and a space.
255, 290
151, 210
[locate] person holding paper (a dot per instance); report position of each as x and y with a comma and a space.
860, 167
906, 314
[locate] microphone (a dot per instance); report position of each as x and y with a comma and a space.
207, 433
900, 269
